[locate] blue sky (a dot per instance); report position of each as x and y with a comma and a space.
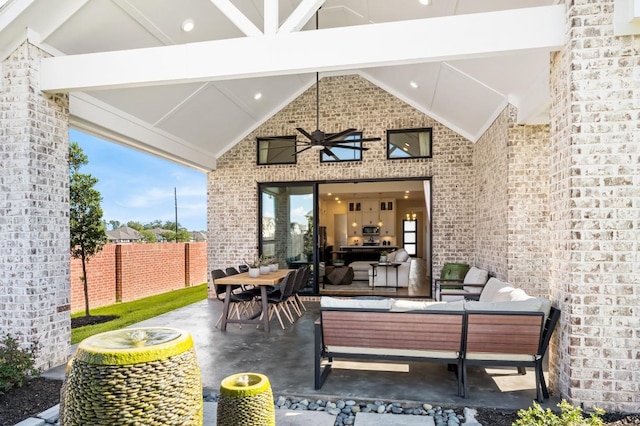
140, 187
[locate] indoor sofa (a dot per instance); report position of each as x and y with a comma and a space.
384, 276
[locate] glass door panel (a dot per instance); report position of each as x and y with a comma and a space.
287, 230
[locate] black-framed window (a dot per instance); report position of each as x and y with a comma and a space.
344, 154
277, 150
409, 143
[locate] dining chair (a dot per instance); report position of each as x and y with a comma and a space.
277, 300
302, 277
239, 303
248, 289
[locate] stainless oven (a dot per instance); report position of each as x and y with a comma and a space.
370, 231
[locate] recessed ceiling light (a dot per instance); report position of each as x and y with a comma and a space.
188, 25
413, 84
257, 96
337, 198
425, 2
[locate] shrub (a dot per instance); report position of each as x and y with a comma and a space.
569, 416
17, 364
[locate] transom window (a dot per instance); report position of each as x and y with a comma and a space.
345, 154
409, 143
277, 150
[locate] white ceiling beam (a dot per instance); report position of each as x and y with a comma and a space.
300, 16
12, 10
346, 48
271, 17
234, 14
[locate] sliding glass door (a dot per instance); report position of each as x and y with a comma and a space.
287, 226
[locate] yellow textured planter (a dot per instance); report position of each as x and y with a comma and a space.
141, 376
246, 400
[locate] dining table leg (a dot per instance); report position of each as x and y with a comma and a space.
225, 309
265, 308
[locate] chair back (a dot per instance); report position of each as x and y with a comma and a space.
287, 284
219, 288
231, 271
299, 279
243, 268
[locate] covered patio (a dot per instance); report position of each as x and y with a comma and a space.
286, 357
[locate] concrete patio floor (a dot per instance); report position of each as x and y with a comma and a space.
286, 357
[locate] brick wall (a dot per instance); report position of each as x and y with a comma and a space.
491, 168
34, 209
594, 205
125, 272
346, 101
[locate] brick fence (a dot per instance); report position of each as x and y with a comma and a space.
125, 272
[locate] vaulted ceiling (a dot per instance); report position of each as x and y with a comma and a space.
135, 77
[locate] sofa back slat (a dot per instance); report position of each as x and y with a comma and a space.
416, 331
515, 333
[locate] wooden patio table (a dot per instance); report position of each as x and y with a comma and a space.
262, 281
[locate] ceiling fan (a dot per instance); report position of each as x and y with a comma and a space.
323, 142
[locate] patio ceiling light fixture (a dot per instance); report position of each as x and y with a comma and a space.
188, 25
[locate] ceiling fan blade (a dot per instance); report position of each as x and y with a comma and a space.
302, 150
359, 148
305, 133
327, 151
365, 140
340, 135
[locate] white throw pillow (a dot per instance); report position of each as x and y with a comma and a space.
476, 276
391, 256
332, 302
401, 255
517, 294
491, 289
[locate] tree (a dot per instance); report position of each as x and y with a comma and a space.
88, 233
115, 224
135, 225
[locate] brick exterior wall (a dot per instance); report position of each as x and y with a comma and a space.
594, 204
34, 209
491, 169
346, 101
126, 272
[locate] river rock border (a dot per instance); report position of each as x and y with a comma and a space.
345, 410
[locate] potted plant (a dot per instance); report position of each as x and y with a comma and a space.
273, 264
254, 266
264, 265
383, 257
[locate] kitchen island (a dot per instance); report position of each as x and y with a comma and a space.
362, 252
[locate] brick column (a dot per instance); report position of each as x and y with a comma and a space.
594, 210
34, 209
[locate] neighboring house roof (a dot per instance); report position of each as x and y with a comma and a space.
198, 236
124, 234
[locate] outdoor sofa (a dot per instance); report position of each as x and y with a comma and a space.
505, 327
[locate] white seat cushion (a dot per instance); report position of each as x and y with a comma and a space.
332, 302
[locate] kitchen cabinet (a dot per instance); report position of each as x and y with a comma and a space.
370, 212
387, 217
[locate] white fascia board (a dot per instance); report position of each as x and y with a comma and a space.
90, 114
346, 48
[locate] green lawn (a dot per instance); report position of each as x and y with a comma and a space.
139, 310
